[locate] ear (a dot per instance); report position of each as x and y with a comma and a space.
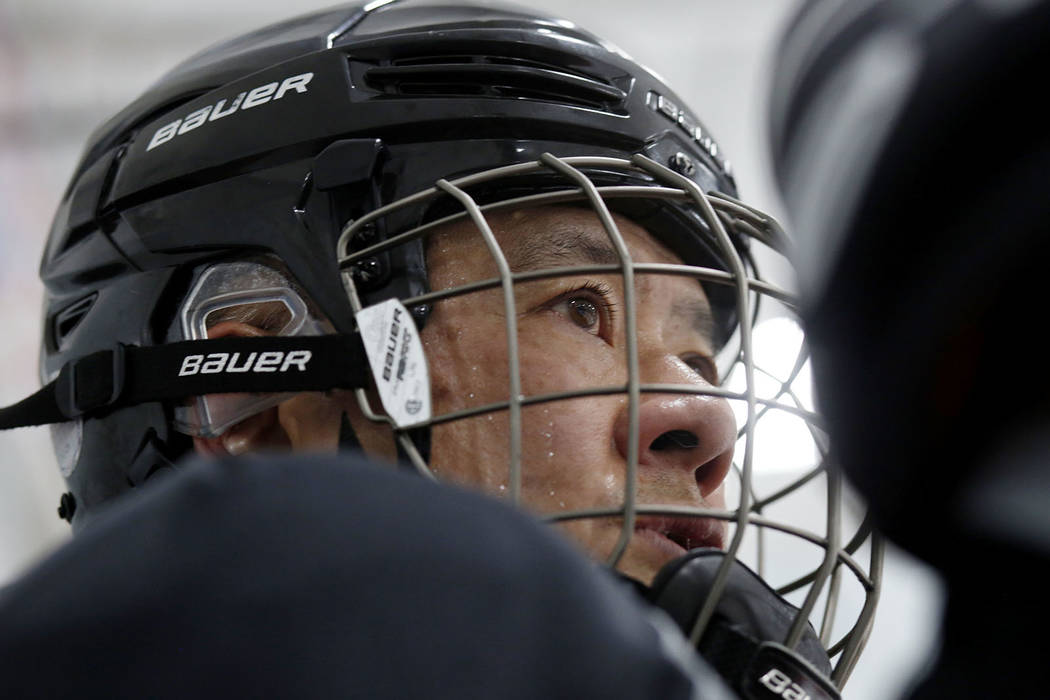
260, 432
307, 422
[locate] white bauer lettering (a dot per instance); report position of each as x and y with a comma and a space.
780, 683
219, 362
214, 363
194, 119
296, 82
268, 362
260, 95
218, 113
270, 92
299, 358
164, 134
246, 367
191, 364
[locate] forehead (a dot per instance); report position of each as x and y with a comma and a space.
543, 237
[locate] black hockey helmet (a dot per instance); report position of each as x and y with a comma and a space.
271, 142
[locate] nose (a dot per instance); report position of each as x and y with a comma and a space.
686, 432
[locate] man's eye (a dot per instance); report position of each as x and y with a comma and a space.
589, 308
704, 366
583, 312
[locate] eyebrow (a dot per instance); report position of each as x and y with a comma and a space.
557, 245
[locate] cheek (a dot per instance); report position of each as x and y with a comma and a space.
556, 357
568, 451
568, 444
466, 354
569, 457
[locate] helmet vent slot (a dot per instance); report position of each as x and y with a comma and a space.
67, 320
495, 76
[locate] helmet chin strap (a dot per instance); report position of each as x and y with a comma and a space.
127, 375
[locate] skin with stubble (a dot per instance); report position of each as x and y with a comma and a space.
571, 336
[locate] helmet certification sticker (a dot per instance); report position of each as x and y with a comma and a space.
399, 367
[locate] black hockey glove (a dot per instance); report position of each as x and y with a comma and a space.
743, 639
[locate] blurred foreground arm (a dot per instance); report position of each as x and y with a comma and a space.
328, 578
913, 158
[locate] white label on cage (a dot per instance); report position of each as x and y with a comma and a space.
399, 367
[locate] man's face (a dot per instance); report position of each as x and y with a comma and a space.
571, 336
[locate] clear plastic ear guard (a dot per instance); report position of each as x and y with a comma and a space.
246, 293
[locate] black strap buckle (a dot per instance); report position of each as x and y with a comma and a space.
90, 382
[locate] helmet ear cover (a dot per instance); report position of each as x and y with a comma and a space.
251, 293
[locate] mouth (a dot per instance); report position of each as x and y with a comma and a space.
681, 533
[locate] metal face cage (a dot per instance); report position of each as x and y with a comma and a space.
817, 566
